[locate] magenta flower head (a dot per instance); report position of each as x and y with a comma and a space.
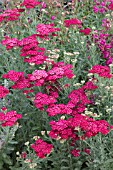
41, 148
43, 5
52, 17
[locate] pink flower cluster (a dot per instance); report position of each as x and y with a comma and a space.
105, 43
89, 86
60, 129
10, 42
75, 152
18, 78
41, 148
58, 70
106, 24
3, 91
110, 6
102, 71
9, 118
30, 3
68, 128
39, 77
30, 48
78, 100
44, 30
85, 31
42, 100
56, 109
10, 15
100, 6
72, 21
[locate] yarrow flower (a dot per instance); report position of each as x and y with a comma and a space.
10, 118
10, 42
30, 3
27, 41
105, 43
61, 129
87, 151
60, 70
38, 76
110, 6
67, 129
89, 86
9, 15
86, 31
13, 75
100, 7
78, 100
102, 71
56, 109
41, 148
42, 100
44, 30
72, 21
3, 91
30, 50
75, 152
23, 155
18, 78
88, 125
37, 59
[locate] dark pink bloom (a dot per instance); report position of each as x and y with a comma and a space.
21, 83
36, 59
39, 77
86, 31
60, 128
89, 86
23, 155
44, 30
19, 79
53, 17
3, 108
10, 42
28, 41
41, 148
28, 91
30, 3
42, 100
72, 21
13, 75
56, 109
95, 9
21, 10
3, 91
86, 150
102, 71
110, 6
59, 70
109, 61
75, 152
78, 97
9, 15
10, 118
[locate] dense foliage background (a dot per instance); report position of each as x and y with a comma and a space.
56, 85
